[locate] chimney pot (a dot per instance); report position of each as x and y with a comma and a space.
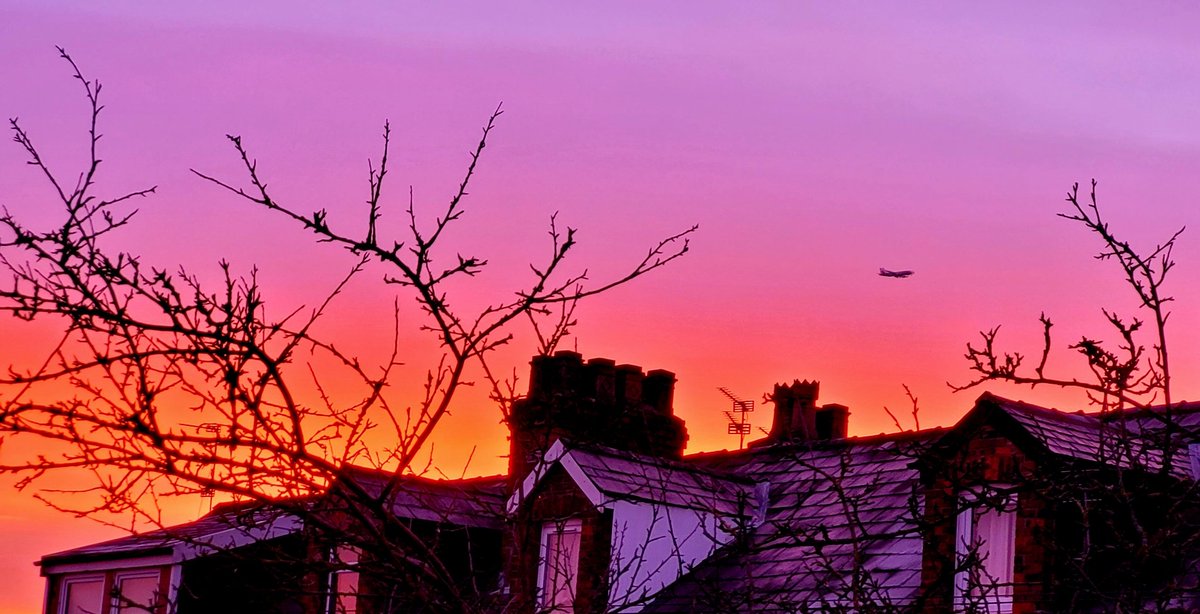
629, 385
605, 375
658, 391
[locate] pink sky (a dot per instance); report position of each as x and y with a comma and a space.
812, 144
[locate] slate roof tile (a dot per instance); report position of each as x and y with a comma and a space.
227, 518
630, 476
823, 499
475, 502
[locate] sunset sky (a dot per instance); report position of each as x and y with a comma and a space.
812, 143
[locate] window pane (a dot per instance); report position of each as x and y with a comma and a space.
345, 590
994, 532
964, 538
83, 597
343, 581
990, 534
347, 555
138, 595
560, 568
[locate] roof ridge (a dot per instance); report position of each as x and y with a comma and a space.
1185, 407
384, 474
681, 464
1054, 412
1129, 413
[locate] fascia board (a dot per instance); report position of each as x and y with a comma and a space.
557, 454
108, 564
236, 537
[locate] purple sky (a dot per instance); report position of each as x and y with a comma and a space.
813, 144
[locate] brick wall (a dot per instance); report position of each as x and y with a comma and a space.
556, 499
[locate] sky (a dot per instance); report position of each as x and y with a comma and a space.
811, 142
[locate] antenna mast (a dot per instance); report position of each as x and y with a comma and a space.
214, 431
739, 423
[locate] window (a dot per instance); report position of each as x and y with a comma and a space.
559, 566
985, 544
343, 581
120, 591
136, 592
83, 595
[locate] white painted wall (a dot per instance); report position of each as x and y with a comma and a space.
652, 545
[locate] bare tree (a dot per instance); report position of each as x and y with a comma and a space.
1121, 377
1126, 509
178, 386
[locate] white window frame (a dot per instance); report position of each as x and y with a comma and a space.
1194, 459
337, 557
559, 527
116, 603
1003, 522
63, 591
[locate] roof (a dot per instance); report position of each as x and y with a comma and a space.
1121, 439
830, 505
227, 525
606, 475
474, 502
1182, 417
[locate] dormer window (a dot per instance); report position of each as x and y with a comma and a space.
985, 544
558, 569
121, 591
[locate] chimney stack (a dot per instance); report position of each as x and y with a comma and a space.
597, 402
797, 417
832, 421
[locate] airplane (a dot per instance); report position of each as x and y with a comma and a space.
897, 274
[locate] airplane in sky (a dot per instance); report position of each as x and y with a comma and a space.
897, 274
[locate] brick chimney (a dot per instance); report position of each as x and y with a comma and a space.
593, 402
797, 417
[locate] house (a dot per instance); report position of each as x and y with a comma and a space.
1016, 508
230, 560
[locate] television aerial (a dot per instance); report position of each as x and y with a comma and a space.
213, 432
739, 421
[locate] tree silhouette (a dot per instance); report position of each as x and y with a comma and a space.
164, 384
